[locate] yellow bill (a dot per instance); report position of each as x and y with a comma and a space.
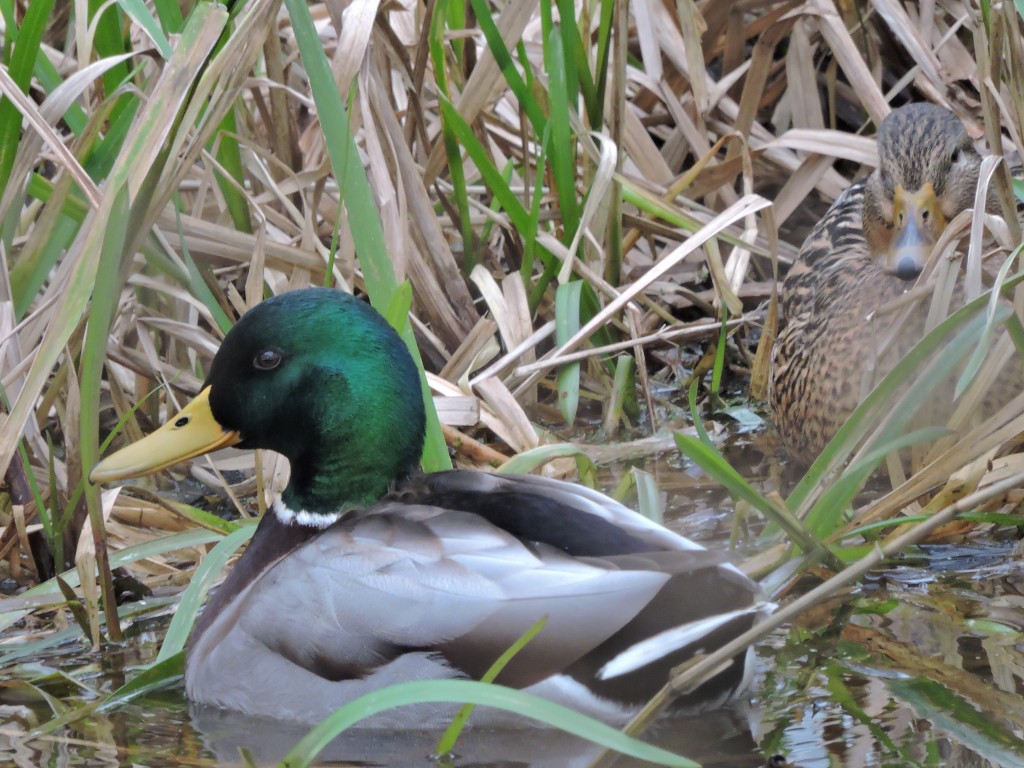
192, 432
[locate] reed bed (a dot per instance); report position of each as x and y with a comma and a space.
552, 194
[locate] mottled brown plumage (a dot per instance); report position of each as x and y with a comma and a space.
859, 257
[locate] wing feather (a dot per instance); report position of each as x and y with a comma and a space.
439, 580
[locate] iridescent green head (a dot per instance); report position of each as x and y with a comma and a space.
316, 375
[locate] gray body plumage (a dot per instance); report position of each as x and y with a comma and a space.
408, 591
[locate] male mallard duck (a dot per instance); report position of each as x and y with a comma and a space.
365, 574
861, 255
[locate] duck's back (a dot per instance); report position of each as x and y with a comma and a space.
443, 575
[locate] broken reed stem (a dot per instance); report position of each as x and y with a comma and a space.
471, 448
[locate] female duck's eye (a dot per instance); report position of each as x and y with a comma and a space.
955, 157
266, 360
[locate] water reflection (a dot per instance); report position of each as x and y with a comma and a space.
920, 673
922, 665
165, 731
721, 739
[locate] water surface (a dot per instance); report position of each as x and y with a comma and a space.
920, 665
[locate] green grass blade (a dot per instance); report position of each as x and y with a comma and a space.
532, 251
698, 423
65, 718
527, 461
109, 40
652, 205
982, 348
524, 95
202, 580
491, 175
1016, 330
712, 462
567, 323
455, 19
948, 710
457, 176
169, 13
159, 675
452, 14
603, 56
25, 691
74, 604
34, 267
578, 76
483, 694
826, 516
196, 284
229, 156
374, 259
447, 742
530, 247
106, 154
139, 13
649, 500
22, 64
358, 197
716, 371
860, 420
202, 517
568, 35
75, 207
165, 545
397, 311
622, 398
106, 291
562, 148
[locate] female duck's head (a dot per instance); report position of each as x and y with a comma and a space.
316, 375
927, 173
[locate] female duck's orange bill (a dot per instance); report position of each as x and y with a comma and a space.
192, 432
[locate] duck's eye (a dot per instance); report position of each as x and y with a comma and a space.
955, 157
266, 360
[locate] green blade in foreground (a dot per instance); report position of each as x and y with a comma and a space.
374, 259
951, 712
484, 694
202, 580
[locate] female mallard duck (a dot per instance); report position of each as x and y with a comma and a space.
365, 574
861, 255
